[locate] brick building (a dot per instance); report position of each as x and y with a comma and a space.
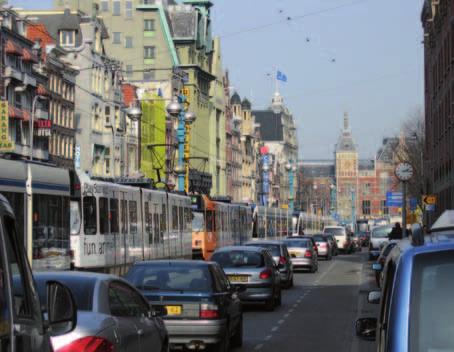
437, 20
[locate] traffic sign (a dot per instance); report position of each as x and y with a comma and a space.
429, 199
430, 207
394, 199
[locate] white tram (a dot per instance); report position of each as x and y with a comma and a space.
271, 222
113, 226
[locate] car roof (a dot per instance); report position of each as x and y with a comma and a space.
252, 243
191, 263
241, 248
81, 275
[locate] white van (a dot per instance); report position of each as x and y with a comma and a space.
344, 242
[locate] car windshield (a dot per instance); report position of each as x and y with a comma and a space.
174, 277
81, 288
238, 258
381, 232
336, 231
297, 243
274, 248
432, 302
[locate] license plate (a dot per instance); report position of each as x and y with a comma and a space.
173, 310
238, 278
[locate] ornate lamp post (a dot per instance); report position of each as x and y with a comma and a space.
290, 170
176, 110
189, 119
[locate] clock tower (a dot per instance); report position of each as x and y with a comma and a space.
346, 173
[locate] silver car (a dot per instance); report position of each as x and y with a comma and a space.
378, 236
253, 269
111, 314
303, 252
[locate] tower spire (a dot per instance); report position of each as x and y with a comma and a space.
346, 121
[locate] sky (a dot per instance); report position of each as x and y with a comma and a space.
364, 57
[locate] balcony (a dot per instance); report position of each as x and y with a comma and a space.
11, 72
29, 80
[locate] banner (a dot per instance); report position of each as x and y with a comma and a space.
5, 144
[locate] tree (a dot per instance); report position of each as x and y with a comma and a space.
411, 149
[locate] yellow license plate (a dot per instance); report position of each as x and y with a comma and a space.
173, 310
238, 278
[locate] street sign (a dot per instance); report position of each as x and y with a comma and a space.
430, 207
429, 199
5, 144
413, 204
394, 199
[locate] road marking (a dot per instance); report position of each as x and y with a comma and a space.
268, 337
258, 346
291, 310
286, 315
295, 305
281, 321
274, 329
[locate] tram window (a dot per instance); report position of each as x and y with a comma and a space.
89, 206
174, 217
132, 217
124, 217
163, 220
103, 216
181, 217
113, 216
157, 235
16, 200
188, 218
148, 219
209, 220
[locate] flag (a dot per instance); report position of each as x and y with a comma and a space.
280, 76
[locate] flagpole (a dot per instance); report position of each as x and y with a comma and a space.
276, 81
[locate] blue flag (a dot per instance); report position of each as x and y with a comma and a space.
280, 76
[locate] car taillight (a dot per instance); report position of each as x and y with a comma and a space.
209, 311
88, 344
308, 254
282, 261
265, 274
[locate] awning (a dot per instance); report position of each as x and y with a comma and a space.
12, 48
41, 90
28, 56
16, 113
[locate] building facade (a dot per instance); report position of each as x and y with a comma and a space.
437, 18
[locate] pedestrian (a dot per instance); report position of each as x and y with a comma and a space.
396, 232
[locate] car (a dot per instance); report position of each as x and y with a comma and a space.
281, 257
378, 235
380, 263
343, 237
253, 269
200, 307
357, 241
417, 298
333, 244
324, 248
303, 252
110, 313
22, 324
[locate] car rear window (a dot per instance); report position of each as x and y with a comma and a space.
320, 238
81, 288
432, 302
335, 231
381, 232
238, 258
173, 277
301, 243
273, 248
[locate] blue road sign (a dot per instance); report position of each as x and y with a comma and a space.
413, 204
430, 207
394, 199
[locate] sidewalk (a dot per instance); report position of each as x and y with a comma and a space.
365, 309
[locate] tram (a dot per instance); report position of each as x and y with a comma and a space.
39, 195
113, 226
271, 223
218, 223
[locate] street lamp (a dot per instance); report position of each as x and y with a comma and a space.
290, 170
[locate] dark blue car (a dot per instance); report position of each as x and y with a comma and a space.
199, 306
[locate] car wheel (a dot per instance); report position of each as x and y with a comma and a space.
291, 282
237, 338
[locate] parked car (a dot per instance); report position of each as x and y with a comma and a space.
22, 325
302, 252
324, 248
378, 235
110, 314
333, 244
254, 269
380, 263
199, 305
343, 237
357, 242
281, 257
417, 299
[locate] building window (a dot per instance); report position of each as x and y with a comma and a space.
366, 189
148, 25
128, 42
116, 38
129, 70
149, 52
148, 75
128, 9
383, 208
104, 5
67, 38
366, 207
116, 8
107, 114
148, 2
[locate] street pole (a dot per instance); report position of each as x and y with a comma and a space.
353, 209
404, 209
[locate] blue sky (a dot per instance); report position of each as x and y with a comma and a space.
377, 75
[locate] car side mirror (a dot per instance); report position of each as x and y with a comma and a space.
61, 309
377, 267
366, 328
374, 297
